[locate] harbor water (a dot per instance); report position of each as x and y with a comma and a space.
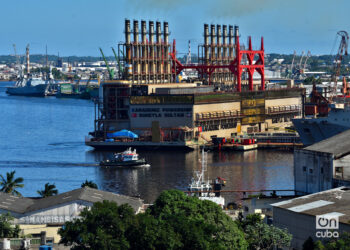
42, 139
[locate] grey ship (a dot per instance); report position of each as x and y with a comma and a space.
33, 86
312, 130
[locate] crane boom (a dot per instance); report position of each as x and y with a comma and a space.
117, 59
307, 57
301, 59
291, 67
110, 71
342, 50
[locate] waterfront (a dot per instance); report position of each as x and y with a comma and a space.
43, 140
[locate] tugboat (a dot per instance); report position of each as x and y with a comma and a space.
128, 158
205, 190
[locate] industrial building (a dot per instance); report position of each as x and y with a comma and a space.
299, 215
223, 102
35, 215
323, 165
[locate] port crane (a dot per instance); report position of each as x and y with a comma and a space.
110, 71
291, 68
307, 57
118, 61
342, 51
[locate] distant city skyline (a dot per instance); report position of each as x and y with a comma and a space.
80, 27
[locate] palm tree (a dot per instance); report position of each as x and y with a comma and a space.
10, 184
49, 190
89, 184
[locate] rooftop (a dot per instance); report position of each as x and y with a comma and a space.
23, 205
338, 145
335, 201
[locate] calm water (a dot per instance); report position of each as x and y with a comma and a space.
43, 140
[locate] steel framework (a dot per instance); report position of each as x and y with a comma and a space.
235, 66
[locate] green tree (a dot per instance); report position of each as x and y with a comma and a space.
104, 226
259, 235
10, 184
189, 223
90, 184
49, 190
7, 230
175, 221
343, 243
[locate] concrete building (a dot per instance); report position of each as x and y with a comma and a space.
323, 165
299, 215
35, 215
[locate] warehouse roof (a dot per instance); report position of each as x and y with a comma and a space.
338, 145
14, 203
333, 201
23, 205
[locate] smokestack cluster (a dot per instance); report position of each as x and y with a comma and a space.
220, 50
148, 61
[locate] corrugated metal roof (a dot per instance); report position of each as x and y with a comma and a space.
311, 205
24, 205
338, 145
334, 201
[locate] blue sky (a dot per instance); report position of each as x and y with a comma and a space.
80, 27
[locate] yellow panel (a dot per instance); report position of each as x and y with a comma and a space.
253, 119
239, 128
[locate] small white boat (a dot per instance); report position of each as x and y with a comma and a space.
127, 158
205, 190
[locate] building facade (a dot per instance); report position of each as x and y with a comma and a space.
192, 114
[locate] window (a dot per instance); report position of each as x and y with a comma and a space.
304, 169
310, 170
321, 170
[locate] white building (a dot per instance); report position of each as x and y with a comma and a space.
34, 215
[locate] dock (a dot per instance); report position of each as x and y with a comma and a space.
259, 145
121, 145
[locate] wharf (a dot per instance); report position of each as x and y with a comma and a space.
259, 145
120, 145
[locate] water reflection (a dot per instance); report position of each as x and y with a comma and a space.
252, 170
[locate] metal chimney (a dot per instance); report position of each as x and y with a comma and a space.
127, 32
151, 32
143, 31
236, 33
166, 32
224, 36
212, 41
230, 41
206, 42
158, 32
218, 40
136, 31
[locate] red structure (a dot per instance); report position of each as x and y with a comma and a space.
236, 66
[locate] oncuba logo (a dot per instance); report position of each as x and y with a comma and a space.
326, 224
